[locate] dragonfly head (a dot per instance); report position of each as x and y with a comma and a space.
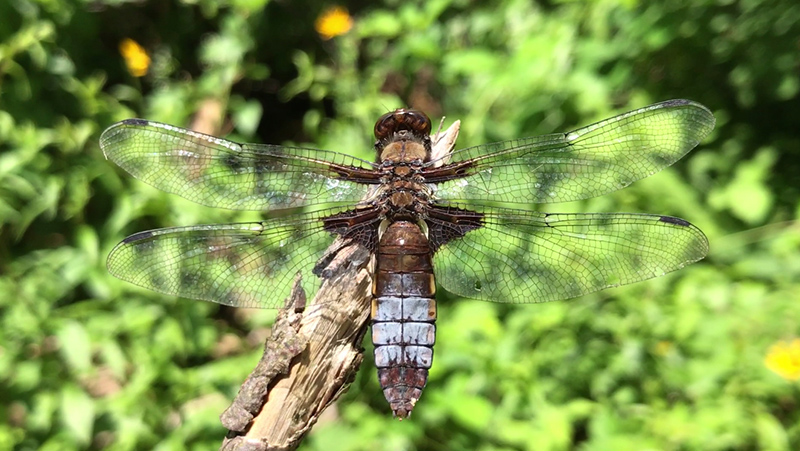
403, 126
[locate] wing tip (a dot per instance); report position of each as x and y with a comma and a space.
126, 122
678, 102
685, 102
135, 121
675, 221
109, 135
701, 245
138, 236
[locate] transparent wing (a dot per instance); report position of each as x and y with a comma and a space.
241, 265
586, 162
525, 257
220, 173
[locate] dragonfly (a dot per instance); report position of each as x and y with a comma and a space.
428, 217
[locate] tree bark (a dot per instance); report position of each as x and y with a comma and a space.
308, 362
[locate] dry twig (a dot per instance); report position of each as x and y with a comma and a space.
308, 362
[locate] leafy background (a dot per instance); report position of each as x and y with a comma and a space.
706, 358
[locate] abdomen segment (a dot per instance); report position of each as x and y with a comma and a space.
403, 315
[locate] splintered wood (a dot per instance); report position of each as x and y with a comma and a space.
309, 361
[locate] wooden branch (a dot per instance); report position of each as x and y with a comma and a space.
308, 362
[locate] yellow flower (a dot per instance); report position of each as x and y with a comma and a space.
784, 359
136, 58
333, 22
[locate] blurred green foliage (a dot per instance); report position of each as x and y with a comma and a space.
690, 361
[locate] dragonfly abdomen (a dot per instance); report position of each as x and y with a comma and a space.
403, 315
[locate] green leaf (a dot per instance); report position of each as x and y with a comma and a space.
75, 346
77, 413
771, 434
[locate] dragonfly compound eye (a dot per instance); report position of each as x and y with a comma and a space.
402, 119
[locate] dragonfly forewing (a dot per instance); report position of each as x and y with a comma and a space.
587, 162
219, 173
